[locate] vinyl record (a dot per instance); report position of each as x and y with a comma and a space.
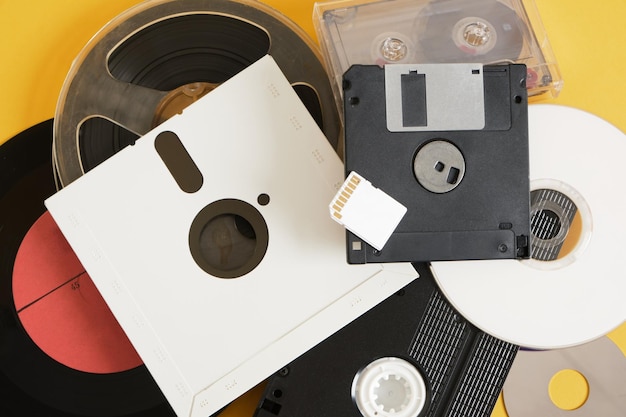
156, 58
61, 351
485, 31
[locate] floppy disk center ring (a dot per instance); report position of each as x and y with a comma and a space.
439, 166
229, 237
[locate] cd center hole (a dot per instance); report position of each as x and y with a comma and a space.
545, 224
228, 241
568, 389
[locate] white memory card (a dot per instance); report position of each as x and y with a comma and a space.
366, 211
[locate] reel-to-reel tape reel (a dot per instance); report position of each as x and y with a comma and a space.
160, 56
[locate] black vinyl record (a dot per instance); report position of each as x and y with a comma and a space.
31, 382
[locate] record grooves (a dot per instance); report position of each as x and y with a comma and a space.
31, 382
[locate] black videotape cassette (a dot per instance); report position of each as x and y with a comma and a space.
412, 355
437, 31
449, 142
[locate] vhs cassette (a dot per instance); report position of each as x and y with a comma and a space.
412, 355
209, 228
450, 143
437, 31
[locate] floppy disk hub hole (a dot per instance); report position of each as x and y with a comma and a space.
439, 166
228, 238
227, 241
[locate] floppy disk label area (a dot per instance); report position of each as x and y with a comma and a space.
432, 97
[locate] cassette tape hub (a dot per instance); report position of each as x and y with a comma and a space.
365, 32
462, 368
466, 189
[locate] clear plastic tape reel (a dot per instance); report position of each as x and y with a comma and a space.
224, 35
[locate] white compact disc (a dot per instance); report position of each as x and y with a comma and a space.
575, 298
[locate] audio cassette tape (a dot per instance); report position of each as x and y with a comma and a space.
412, 355
437, 31
209, 239
450, 143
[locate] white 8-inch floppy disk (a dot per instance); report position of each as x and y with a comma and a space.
211, 242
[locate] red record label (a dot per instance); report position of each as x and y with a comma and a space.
61, 309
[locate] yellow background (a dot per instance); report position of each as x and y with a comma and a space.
40, 38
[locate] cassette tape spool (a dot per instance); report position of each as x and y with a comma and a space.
159, 56
450, 143
437, 31
412, 355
